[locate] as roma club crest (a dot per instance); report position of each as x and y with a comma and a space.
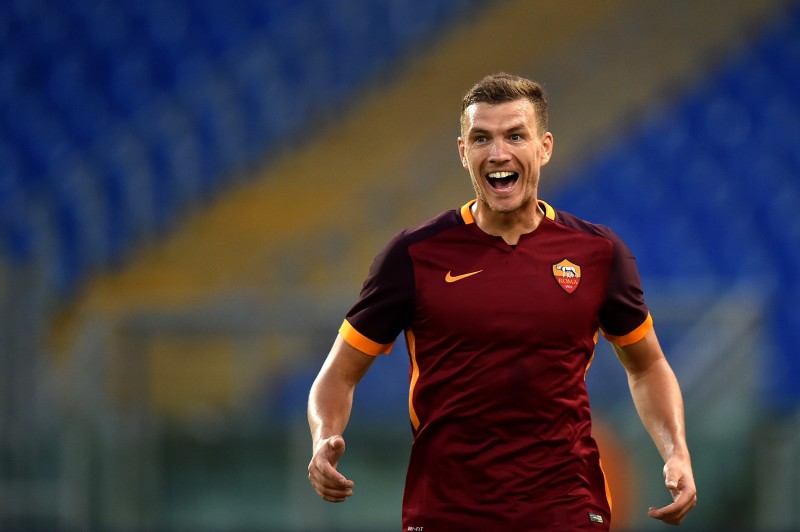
568, 275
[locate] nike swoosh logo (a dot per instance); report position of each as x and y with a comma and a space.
453, 278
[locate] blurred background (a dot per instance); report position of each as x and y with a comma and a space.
191, 192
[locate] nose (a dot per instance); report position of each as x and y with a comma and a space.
498, 152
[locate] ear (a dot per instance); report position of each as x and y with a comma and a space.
547, 148
462, 153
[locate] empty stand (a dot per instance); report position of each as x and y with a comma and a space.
127, 126
706, 187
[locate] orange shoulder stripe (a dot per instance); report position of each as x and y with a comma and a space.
361, 342
634, 336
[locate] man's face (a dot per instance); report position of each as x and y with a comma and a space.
503, 151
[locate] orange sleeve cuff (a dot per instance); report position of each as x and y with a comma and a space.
361, 342
634, 336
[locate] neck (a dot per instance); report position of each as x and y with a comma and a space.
509, 226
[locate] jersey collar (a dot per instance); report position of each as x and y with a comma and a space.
466, 211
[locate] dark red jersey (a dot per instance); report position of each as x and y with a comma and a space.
500, 338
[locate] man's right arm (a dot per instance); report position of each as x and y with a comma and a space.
329, 406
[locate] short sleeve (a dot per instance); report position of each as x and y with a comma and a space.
624, 316
385, 304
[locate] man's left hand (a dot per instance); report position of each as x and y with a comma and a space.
679, 481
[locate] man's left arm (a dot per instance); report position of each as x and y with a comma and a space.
659, 402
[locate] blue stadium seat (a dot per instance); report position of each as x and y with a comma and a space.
126, 177
78, 223
16, 232
130, 81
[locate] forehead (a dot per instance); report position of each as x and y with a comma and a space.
507, 115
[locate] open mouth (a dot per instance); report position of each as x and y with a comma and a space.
502, 180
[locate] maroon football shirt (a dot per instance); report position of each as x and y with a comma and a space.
500, 338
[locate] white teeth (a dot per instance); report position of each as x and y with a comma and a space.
499, 175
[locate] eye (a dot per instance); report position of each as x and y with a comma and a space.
480, 139
516, 137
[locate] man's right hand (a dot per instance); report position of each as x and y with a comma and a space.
326, 480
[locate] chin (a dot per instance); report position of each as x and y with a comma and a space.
505, 208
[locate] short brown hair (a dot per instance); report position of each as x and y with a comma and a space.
503, 87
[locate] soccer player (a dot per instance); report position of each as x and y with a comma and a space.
501, 302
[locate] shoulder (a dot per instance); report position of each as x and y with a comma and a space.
427, 230
572, 222
396, 251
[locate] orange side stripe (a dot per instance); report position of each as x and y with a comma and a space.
634, 336
412, 350
591, 358
361, 342
608, 489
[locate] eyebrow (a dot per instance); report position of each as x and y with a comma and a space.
514, 129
